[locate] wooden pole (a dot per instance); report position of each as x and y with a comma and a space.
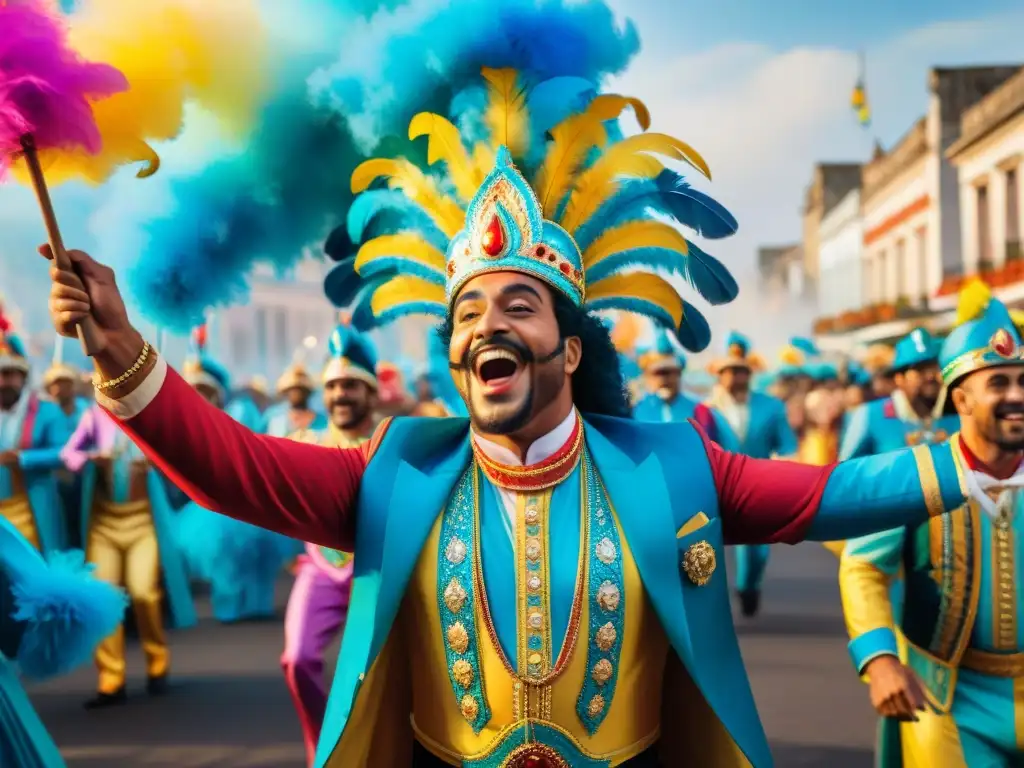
88, 333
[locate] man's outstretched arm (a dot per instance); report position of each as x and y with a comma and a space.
303, 491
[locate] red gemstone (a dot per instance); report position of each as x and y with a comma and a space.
493, 240
1002, 343
537, 761
565, 268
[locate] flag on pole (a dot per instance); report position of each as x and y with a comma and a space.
859, 98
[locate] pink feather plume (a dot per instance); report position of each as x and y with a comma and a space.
46, 89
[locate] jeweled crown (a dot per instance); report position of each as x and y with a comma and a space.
505, 230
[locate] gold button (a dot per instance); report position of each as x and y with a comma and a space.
534, 658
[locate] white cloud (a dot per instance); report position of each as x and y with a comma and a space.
762, 118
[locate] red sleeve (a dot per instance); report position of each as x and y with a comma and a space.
301, 490
764, 501
703, 416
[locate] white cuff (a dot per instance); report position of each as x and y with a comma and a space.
135, 402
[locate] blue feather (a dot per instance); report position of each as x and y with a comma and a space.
343, 285
553, 100
646, 258
386, 212
633, 305
431, 308
66, 612
694, 333
709, 277
392, 265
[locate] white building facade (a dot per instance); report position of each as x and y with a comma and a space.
840, 257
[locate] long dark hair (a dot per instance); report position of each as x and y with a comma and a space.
597, 385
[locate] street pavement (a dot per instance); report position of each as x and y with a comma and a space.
229, 707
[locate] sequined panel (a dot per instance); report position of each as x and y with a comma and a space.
533, 586
1004, 577
537, 745
605, 591
455, 604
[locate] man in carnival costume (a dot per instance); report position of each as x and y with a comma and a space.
127, 523
31, 436
52, 615
760, 424
60, 382
241, 562
663, 365
537, 585
319, 599
295, 414
959, 633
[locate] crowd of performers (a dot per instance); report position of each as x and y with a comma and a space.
73, 479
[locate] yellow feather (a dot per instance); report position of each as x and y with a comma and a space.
506, 115
639, 285
633, 234
974, 298
416, 185
406, 245
483, 158
632, 157
791, 356
445, 143
572, 140
610, 106
402, 290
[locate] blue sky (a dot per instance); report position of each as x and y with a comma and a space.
760, 88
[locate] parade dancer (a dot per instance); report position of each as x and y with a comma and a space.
760, 424
908, 416
295, 414
241, 562
32, 433
52, 615
127, 524
323, 580
960, 633
60, 382
663, 366
538, 584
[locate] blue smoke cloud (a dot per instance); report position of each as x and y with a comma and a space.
288, 188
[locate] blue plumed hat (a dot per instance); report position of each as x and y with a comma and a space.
985, 336
663, 354
583, 212
351, 355
202, 370
857, 374
822, 371
916, 348
12, 351
738, 354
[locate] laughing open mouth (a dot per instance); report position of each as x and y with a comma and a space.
496, 367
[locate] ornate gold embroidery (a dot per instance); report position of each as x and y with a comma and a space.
462, 671
700, 562
1004, 580
469, 707
602, 672
458, 637
596, 705
454, 595
605, 551
929, 479
606, 637
456, 551
608, 596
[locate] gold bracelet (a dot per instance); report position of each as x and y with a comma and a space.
136, 366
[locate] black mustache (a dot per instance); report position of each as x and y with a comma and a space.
524, 353
1008, 410
343, 402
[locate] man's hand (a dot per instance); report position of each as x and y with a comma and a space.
895, 689
8, 458
90, 289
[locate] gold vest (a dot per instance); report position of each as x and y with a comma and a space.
630, 725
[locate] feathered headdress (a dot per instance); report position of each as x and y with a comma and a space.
296, 376
12, 351
738, 354
583, 212
351, 356
200, 369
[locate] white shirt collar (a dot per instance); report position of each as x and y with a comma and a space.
542, 448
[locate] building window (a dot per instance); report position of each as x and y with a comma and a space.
900, 270
984, 231
881, 278
1012, 215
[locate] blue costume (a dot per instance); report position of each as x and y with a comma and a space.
240, 562
654, 407
33, 429
891, 423
762, 429
52, 615
280, 420
69, 484
960, 628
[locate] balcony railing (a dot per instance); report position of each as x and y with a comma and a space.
1010, 272
904, 308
